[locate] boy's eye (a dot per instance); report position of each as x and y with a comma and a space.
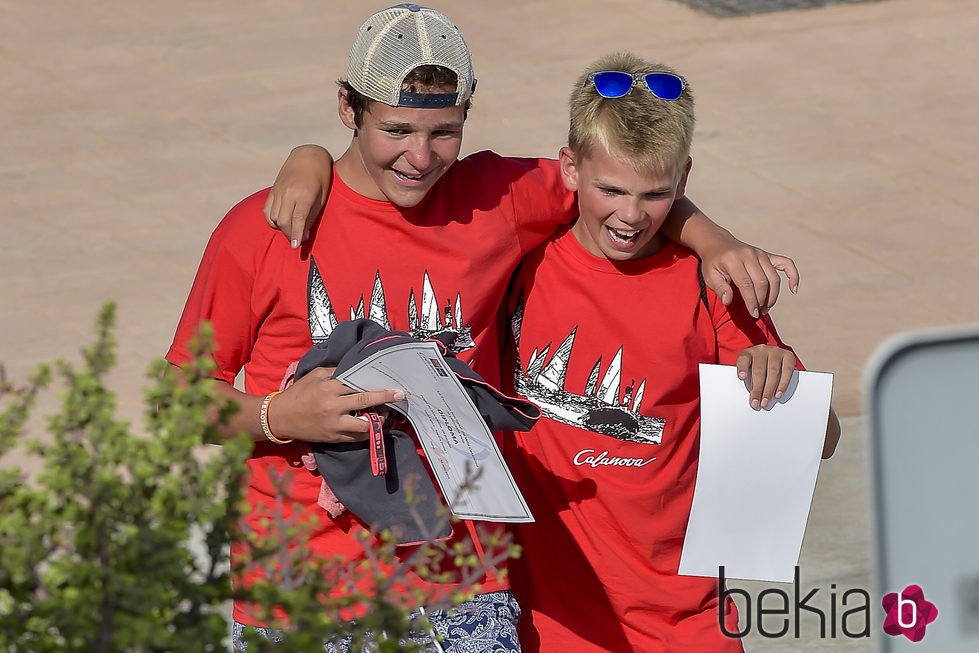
445, 132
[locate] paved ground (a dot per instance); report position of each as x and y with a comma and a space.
844, 136
750, 7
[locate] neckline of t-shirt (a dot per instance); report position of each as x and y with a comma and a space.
567, 242
340, 188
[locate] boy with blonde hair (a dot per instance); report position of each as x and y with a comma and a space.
610, 321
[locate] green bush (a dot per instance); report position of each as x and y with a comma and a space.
120, 542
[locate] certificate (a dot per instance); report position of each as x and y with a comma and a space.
461, 451
756, 476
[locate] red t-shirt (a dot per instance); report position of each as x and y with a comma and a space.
443, 264
610, 353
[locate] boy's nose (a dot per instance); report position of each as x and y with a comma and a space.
630, 213
419, 154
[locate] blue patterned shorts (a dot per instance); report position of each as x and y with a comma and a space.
485, 624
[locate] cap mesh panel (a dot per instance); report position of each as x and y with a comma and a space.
395, 41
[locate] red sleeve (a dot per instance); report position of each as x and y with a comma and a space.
541, 203
536, 201
223, 289
736, 330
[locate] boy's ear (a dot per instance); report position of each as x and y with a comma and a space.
345, 110
569, 170
681, 185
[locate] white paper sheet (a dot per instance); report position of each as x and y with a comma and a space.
451, 431
756, 475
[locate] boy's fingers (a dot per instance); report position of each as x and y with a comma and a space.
787, 266
788, 367
289, 216
759, 374
284, 221
300, 218
774, 286
364, 400
279, 218
744, 365
723, 290
748, 286
773, 378
720, 281
764, 281
353, 427
269, 208
297, 226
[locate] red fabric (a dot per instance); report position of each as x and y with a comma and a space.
598, 569
467, 236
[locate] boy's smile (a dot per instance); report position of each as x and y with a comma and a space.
399, 153
620, 209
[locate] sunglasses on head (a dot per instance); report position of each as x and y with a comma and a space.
616, 84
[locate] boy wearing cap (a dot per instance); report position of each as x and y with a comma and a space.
411, 238
609, 470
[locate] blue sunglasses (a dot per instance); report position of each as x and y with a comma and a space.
616, 84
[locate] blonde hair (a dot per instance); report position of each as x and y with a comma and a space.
638, 127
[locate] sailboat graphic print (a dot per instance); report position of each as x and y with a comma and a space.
601, 408
446, 326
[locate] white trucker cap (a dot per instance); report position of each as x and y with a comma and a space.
395, 41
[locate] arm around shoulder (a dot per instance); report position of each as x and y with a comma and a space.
729, 263
299, 192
